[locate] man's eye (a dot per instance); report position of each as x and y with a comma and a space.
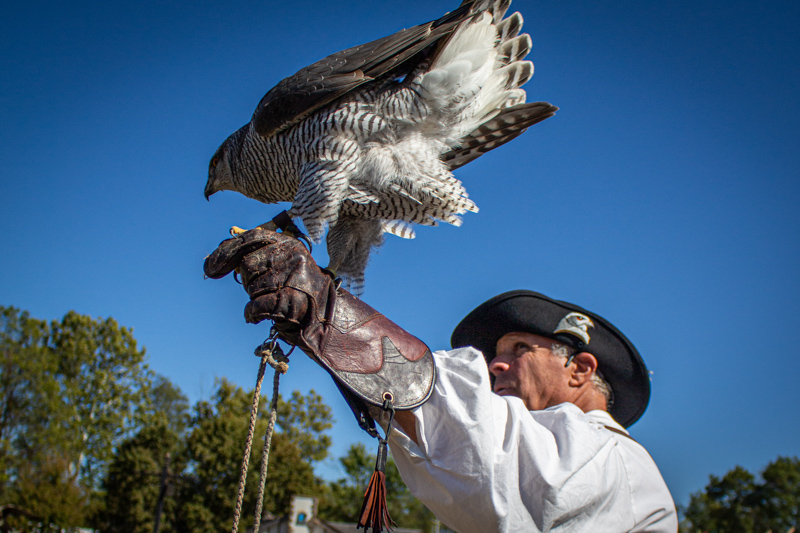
521, 347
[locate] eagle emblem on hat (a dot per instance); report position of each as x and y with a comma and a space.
576, 324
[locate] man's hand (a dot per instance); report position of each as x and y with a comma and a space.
284, 283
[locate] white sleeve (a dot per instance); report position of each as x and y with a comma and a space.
485, 463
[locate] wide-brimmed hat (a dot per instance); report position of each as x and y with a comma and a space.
530, 312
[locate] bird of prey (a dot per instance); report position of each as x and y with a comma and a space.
364, 141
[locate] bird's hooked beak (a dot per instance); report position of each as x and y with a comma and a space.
209, 190
211, 184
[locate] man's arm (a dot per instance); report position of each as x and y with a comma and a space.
408, 423
482, 462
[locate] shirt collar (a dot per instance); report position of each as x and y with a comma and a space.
605, 419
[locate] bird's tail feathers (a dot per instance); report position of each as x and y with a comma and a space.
496, 8
471, 37
399, 228
502, 91
505, 126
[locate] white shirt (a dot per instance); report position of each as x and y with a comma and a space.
485, 463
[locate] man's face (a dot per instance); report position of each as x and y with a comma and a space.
526, 367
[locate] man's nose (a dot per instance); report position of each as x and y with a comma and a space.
497, 366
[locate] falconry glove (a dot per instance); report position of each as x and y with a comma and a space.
372, 359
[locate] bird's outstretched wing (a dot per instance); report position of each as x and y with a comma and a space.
296, 97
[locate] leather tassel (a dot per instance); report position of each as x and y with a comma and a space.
374, 510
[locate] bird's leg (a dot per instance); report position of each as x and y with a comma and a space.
272, 225
236, 230
285, 223
282, 222
330, 271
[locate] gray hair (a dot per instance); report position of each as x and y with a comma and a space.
599, 384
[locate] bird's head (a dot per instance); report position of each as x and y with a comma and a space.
220, 173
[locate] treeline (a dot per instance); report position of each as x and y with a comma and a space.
740, 502
91, 437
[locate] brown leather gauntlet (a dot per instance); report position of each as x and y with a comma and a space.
371, 358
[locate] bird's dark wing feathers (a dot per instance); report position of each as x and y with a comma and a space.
507, 125
296, 97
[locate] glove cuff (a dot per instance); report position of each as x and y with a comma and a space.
371, 356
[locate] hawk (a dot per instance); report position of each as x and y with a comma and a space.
364, 141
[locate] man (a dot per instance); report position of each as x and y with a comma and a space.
543, 452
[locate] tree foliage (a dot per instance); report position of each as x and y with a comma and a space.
304, 421
740, 503
70, 390
214, 454
55, 498
214, 449
103, 382
143, 467
27, 377
168, 402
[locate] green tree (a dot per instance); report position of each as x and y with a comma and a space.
46, 490
304, 421
167, 401
27, 377
289, 474
85, 425
103, 390
739, 503
148, 467
70, 391
777, 498
134, 481
342, 499
214, 449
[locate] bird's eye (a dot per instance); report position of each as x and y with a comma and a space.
214, 161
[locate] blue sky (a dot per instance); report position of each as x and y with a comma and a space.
662, 196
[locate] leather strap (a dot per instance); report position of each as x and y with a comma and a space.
620, 432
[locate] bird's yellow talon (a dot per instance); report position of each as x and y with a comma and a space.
236, 230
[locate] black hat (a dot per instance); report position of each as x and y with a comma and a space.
530, 312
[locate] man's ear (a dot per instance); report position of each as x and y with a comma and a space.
582, 368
